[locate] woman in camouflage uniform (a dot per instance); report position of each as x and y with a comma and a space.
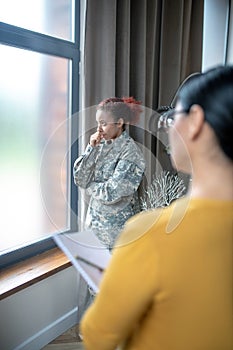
111, 169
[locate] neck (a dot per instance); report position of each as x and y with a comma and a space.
213, 180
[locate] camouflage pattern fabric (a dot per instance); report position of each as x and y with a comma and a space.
111, 174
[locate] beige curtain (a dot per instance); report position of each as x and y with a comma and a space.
143, 48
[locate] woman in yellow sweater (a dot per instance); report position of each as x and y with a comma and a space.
169, 282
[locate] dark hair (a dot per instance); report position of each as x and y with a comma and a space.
213, 91
126, 108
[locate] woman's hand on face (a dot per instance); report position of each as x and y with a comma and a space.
95, 138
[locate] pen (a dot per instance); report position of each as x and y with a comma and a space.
89, 263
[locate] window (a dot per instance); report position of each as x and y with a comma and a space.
54, 18
217, 43
39, 93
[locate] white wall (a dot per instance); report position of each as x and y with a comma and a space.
33, 317
214, 37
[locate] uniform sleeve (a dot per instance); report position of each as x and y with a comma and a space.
124, 297
124, 182
84, 167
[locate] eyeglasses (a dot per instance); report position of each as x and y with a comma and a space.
167, 119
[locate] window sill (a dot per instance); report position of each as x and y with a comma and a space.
26, 273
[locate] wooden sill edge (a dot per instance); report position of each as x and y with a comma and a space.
31, 271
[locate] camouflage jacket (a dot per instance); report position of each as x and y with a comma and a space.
111, 174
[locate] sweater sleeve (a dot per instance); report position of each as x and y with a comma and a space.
121, 302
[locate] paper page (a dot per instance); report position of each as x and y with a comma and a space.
85, 246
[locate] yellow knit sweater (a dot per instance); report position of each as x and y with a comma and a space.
169, 282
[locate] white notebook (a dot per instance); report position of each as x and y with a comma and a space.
86, 253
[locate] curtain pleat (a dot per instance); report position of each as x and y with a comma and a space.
99, 63
123, 28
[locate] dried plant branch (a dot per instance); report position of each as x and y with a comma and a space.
163, 190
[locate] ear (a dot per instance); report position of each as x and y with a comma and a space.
196, 121
120, 122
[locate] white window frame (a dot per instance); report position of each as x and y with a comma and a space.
45, 44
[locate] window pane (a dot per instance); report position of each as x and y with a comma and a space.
34, 143
54, 17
